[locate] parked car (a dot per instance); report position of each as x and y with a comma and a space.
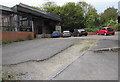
66, 34
80, 32
55, 34
105, 31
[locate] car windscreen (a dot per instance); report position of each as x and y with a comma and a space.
56, 32
109, 29
66, 31
82, 30
102, 29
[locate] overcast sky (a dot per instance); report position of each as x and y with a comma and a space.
100, 5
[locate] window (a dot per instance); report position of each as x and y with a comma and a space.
102, 29
25, 23
109, 29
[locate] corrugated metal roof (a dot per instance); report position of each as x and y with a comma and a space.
5, 8
34, 9
29, 9
44, 14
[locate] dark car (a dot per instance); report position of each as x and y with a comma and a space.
80, 32
105, 31
55, 34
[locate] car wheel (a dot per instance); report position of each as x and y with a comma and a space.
105, 34
80, 35
86, 35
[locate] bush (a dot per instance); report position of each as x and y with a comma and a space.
20, 39
30, 37
117, 27
7, 41
35, 35
91, 29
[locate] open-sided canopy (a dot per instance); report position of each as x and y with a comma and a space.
37, 12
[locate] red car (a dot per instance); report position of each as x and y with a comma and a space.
106, 31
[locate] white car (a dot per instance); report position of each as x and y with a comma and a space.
66, 34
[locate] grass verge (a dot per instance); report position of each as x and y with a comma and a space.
92, 42
6, 41
85, 48
19, 40
0, 42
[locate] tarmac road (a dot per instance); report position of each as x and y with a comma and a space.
94, 65
90, 66
41, 49
33, 50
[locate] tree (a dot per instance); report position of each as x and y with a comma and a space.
81, 15
51, 7
109, 14
91, 17
85, 7
111, 22
37, 7
72, 15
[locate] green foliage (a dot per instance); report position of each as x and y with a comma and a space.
92, 18
85, 7
72, 15
51, 7
10, 41
117, 27
109, 15
0, 42
7, 41
81, 15
91, 29
111, 22
85, 48
30, 37
20, 39
37, 7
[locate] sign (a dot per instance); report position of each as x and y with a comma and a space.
58, 28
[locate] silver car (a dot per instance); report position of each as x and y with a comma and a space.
66, 34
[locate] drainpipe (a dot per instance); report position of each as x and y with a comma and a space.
32, 27
16, 18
